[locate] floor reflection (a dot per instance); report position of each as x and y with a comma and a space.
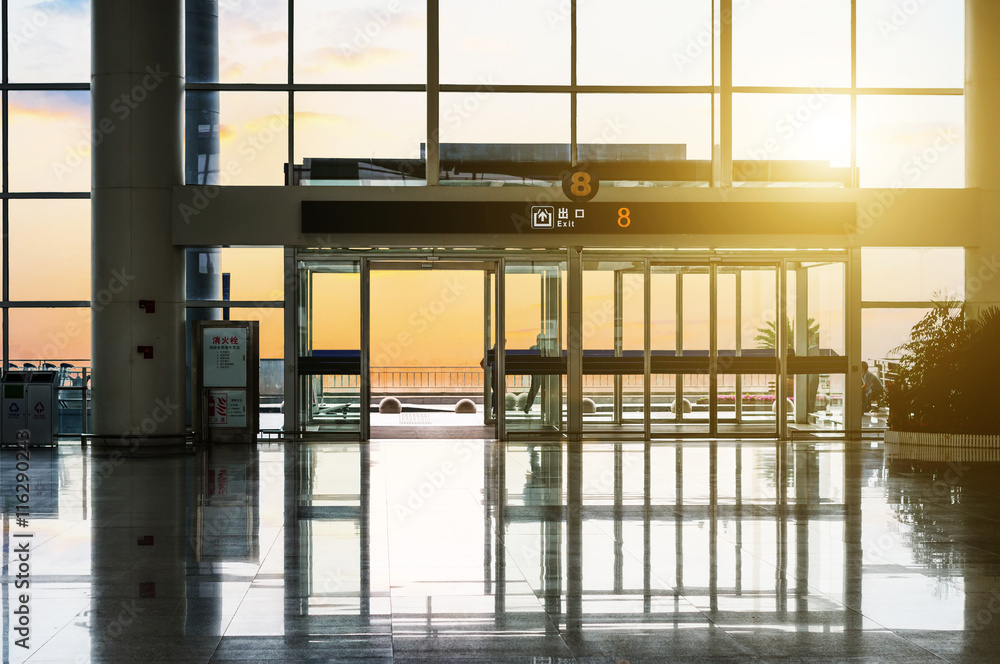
420, 551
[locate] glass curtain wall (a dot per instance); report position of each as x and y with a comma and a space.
840, 93
714, 366
44, 192
891, 306
847, 93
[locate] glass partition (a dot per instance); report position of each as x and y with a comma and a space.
746, 311
329, 362
679, 349
534, 346
614, 346
816, 342
702, 345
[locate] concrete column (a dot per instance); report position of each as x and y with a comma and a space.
137, 90
982, 144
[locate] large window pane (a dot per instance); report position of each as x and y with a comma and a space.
515, 42
49, 249
813, 129
255, 273
272, 329
911, 141
360, 41
684, 120
50, 141
253, 41
695, 327
485, 119
662, 128
643, 42
792, 43
882, 330
253, 138
49, 41
663, 309
50, 335
426, 322
911, 44
931, 272
359, 125
335, 309
827, 305
758, 306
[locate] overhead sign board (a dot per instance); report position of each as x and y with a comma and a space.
566, 218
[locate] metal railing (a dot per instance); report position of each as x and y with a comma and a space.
447, 380
428, 379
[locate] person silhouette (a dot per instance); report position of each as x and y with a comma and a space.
536, 381
491, 361
871, 389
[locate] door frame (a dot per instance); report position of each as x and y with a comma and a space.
414, 264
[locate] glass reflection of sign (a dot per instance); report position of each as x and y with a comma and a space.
225, 356
227, 517
227, 480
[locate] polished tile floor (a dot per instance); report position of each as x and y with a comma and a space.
465, 551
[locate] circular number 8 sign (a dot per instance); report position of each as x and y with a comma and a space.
580, 187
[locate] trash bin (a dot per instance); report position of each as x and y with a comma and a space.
13, 405
29, 403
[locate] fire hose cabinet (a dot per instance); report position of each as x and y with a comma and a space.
29, 405
226, 380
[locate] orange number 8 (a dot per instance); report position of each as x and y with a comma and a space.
581, 184
623, 217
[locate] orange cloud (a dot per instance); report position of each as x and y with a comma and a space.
233, 71
46, 113
316, 117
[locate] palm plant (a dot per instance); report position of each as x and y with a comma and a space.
767, 334
947, 373
767, 337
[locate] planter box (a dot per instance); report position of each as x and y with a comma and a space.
941, 447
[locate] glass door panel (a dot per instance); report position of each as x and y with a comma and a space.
679, 344
614, 346
427, 334
695, 343
329, 342
534, 345
746, 310
817, 362
489, 342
